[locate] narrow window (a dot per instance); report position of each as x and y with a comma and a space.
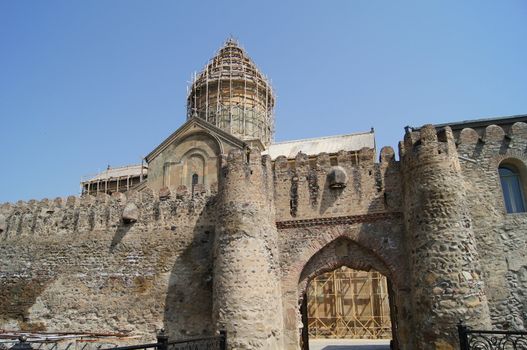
512, 189
195, 179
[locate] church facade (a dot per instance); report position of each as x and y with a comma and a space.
224, 229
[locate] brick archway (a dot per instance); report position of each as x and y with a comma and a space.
338, 253
309, 251
341, 252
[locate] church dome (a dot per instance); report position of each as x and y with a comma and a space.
232, 94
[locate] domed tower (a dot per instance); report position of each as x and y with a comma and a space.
232, 94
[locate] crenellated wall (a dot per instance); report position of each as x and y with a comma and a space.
302, 189
74, 265
357, 224
434, 223
106, 247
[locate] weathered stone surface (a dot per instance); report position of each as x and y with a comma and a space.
130, 213
248, 298
433, 223
440, 242
3, 223
164, 193
337, 177
90, 272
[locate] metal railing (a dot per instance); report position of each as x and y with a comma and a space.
218, 342
470, 339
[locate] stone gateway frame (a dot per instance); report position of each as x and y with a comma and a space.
308, 252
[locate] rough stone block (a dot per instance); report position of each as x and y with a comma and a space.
337, 177
494, 133
130, 213
3, 223
387, 155
164, 193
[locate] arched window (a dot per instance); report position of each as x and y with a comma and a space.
512, 189
195, 179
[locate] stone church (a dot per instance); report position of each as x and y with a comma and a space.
220, 228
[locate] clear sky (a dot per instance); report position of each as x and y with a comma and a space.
84, 84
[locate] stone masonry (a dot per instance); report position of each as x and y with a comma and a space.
433, 223
221, 237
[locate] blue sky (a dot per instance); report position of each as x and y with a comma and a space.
84, 84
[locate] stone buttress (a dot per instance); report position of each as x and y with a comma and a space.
247, 298
446, 278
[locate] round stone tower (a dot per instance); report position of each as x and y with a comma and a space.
232, 94
445, 270
247, 300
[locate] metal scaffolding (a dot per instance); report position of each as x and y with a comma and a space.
232, 94
346, 303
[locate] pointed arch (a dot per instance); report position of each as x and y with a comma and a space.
342, 251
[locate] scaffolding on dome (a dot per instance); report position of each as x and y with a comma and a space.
232, 94
347, 303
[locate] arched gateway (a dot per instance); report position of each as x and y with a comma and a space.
283, 223
357, 246
343, 291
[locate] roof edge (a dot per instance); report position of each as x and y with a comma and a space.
481, 122
324, 137
203, 123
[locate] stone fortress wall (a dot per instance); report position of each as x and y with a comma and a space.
75, 265
434, 223
501, 237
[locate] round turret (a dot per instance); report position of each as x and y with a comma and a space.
233, 95
446, 280
247, 299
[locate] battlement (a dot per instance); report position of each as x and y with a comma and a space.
491, 134
345, 183
426, 138
430, 143
246, 176
91, 213
324, 161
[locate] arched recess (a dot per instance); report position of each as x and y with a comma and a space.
194, 168
344, 252
197, 154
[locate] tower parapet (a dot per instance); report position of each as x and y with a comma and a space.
445, 269
232, 94
247, 294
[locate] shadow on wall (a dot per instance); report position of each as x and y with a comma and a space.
119, 235
188, 304
329, 196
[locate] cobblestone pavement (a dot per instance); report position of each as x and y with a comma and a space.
348, 344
